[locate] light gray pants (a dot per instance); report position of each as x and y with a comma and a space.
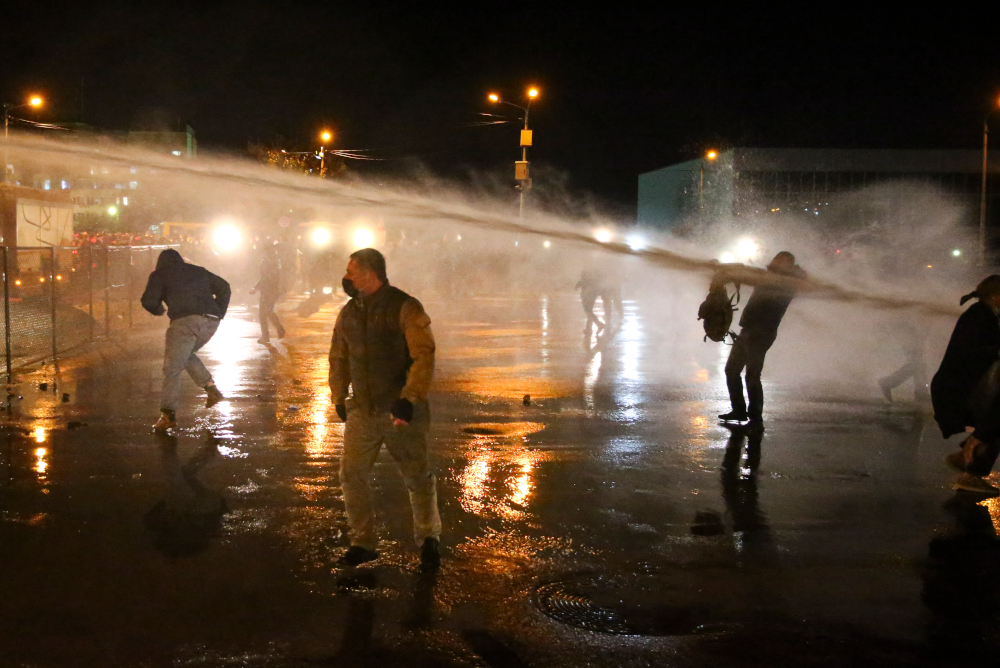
185, 337
364, 435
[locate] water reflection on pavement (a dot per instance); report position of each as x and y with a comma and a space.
595, 512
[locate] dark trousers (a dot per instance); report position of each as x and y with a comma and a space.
267, 303
748, 353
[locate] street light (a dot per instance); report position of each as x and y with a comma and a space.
326, 137
982, 198
521, 166
711, 155
34, 101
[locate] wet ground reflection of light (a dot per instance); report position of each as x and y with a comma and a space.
993, 505
38, 433
590, 381
631, 337
545, 333
498, 478
230, 348
321, 435
41, 463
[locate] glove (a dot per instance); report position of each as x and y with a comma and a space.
402, 409
341, 411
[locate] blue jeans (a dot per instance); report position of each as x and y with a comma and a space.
185, 337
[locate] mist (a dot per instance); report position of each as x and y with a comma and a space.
875, 257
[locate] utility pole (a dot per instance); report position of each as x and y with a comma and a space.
521, 174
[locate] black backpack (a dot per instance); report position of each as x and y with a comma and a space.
717, 312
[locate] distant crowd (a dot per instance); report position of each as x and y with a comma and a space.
83, 239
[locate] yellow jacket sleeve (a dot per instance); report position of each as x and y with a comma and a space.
416, 325
340, 369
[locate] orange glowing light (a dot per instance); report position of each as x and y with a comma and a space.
711, 155
35, 101
494, 97
533, 93
326, 135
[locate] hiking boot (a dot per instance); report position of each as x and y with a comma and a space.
957, 461
356, 555
214, 396
166, 422
734, 416
430, 555
971, 483
886, 390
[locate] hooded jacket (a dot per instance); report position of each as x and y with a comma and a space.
187, 289
972, 350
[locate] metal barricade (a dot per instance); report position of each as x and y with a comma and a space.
57, 299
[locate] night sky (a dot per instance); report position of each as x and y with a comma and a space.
624, 89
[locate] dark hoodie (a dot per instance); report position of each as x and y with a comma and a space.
187, 289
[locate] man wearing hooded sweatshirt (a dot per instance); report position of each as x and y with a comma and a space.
196, 302
965, 393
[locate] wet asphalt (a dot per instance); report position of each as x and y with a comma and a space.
606, 520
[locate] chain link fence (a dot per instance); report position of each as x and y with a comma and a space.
57, 299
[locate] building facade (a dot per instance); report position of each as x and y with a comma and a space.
743, 182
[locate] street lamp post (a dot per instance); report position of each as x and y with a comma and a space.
982, 196
325, 136
36, 102
711, 156
521, 167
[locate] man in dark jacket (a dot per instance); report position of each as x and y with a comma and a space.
196, 302
759, 322
383, 352
964, 390
269, 287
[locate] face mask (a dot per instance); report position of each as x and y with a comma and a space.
349, 288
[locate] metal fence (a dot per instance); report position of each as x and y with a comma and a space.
56, 299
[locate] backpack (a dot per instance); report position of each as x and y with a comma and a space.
717, 312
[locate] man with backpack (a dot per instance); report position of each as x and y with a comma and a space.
759, 327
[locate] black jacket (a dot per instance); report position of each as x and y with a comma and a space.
768, 303
187, 289
972, 350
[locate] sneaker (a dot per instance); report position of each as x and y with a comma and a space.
957, 461
971, 483
264, 341
356, 555
886, 390
430, 555
734, 416
165, 423
214, 396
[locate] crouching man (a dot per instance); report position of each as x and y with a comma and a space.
196, 301
383, 352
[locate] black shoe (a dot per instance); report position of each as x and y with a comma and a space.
734, 416
214, 396
356, 555
430, 555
